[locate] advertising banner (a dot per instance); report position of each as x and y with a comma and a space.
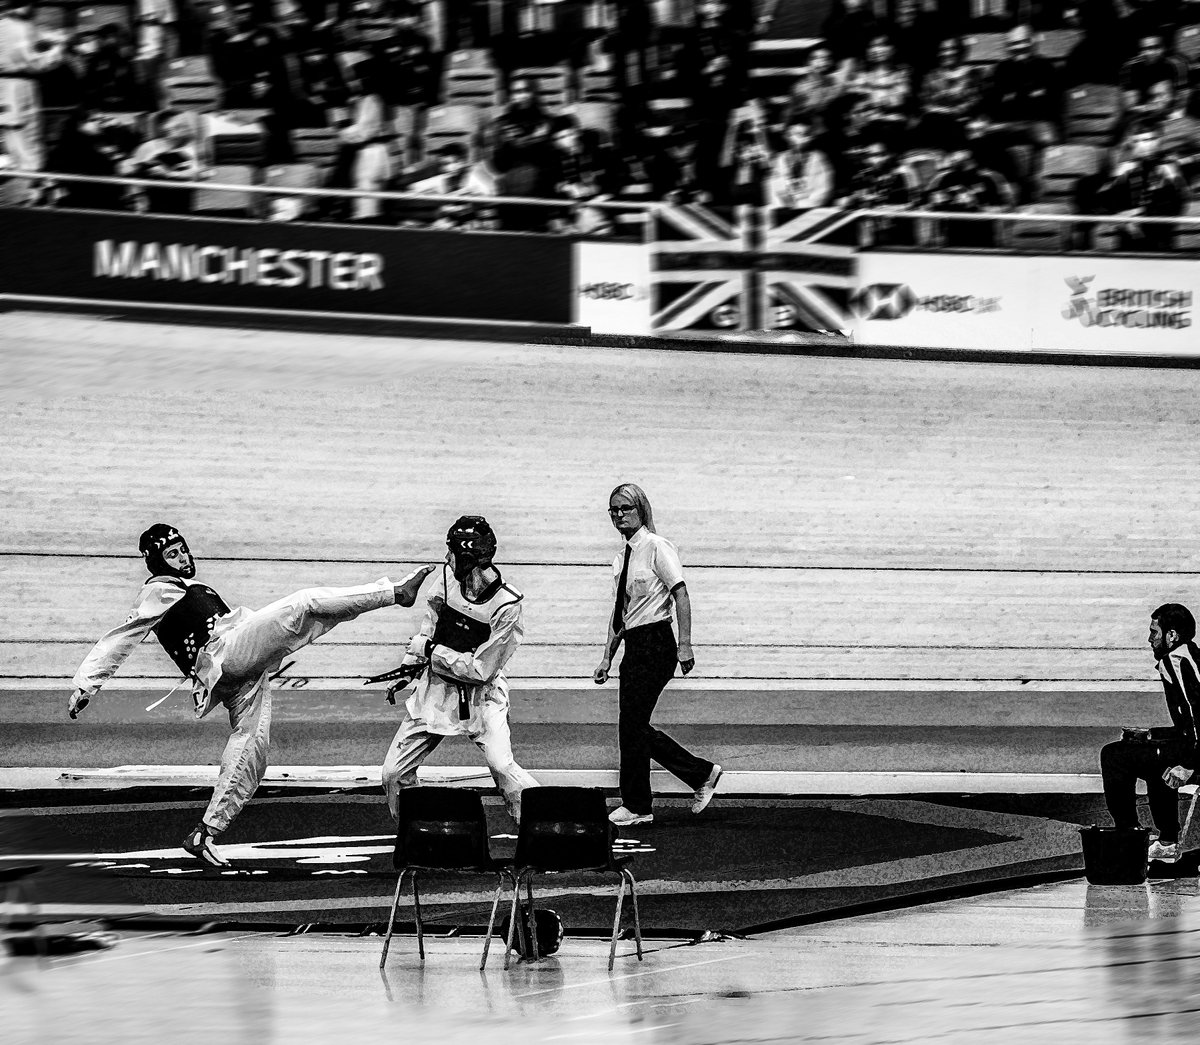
612, 287
279, 266
945, 301
1112, 305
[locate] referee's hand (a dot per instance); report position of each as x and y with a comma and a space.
600, 675
687, 660
77, 702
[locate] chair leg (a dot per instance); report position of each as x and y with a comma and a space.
612, 951
512, 920
417, 913
1187, 822
637, 921
387, 941
487, 943
532, 923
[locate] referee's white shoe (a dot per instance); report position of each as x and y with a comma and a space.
703, 794
623, 817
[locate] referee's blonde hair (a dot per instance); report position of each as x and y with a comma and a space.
640, 501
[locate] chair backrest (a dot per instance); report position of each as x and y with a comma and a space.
1056, 44
1063, 165
1093, 112
1049, 237
93, 16
227, 201
986, 49
315, 144
183, 93
1187, 238
549, 85
441, 827
1187, 43
564, 829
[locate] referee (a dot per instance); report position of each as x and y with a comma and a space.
646, 578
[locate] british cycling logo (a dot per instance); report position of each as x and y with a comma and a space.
897, 300
1120, 307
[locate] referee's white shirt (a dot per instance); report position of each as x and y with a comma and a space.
654, 570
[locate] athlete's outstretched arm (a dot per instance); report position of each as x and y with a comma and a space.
114, 647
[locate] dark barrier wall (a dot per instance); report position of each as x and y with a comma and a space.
375, 271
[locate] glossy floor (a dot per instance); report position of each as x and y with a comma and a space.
1057, 963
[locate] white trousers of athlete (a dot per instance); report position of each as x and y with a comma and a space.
413, 744
238, 662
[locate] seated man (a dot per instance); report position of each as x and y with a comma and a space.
1166, 758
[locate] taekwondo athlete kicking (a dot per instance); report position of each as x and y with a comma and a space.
229, 656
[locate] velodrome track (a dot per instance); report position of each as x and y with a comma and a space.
895, 564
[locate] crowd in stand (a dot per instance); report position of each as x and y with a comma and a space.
891, 112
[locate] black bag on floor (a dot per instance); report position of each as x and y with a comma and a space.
1115, 855
548, 926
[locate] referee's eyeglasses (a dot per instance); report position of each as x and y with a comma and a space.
622, 509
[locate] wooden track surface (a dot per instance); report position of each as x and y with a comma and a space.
838, 518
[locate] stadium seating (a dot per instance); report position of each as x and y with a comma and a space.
237, 136
194, 93
227, 202
292, 176
985, 49
1063, 165
52, 16
1049, 237
1187, 43
550, 85
597, 116
191, 67
94, 16
315, 145
447, 123
1188, 239
471, 85
1093, 112
1056, 44
598, 86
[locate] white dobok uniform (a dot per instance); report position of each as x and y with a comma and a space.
230, 656
462, 689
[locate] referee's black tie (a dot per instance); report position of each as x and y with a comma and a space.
618, 620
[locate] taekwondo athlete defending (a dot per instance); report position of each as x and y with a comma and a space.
471, 628
229, 655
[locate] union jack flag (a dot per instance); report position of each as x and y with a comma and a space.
755, 268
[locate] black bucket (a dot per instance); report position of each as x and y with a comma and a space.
1115, 855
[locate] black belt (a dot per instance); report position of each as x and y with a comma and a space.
645, 629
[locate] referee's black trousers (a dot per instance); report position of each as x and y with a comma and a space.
1122, 763
647, 666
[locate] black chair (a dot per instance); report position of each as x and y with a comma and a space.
443, 829
567, 829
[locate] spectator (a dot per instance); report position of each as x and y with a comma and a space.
717, 74
884, 84
317, 83
1151, 66
170, 156
95, 147
523, 123
402, 65
63, 86
746, 164
816, 88
848, 29
916, 34
1145, 184
1180, 132
109, 81
882, 183
1096, 58
674, 175
1087, 198
948, 95
25, 53
1146, 17
583, 172
455, 176
248, 60
1024, 98
363, 162
963, 186
801, 176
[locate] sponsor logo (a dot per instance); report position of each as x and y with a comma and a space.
247, 266
882, 301
1126, 308
610, 291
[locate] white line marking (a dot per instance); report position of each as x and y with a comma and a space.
143, 954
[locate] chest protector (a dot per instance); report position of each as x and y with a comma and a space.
187, 625
464, 626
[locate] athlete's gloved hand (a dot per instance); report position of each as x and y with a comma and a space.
79, 700
406, 590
